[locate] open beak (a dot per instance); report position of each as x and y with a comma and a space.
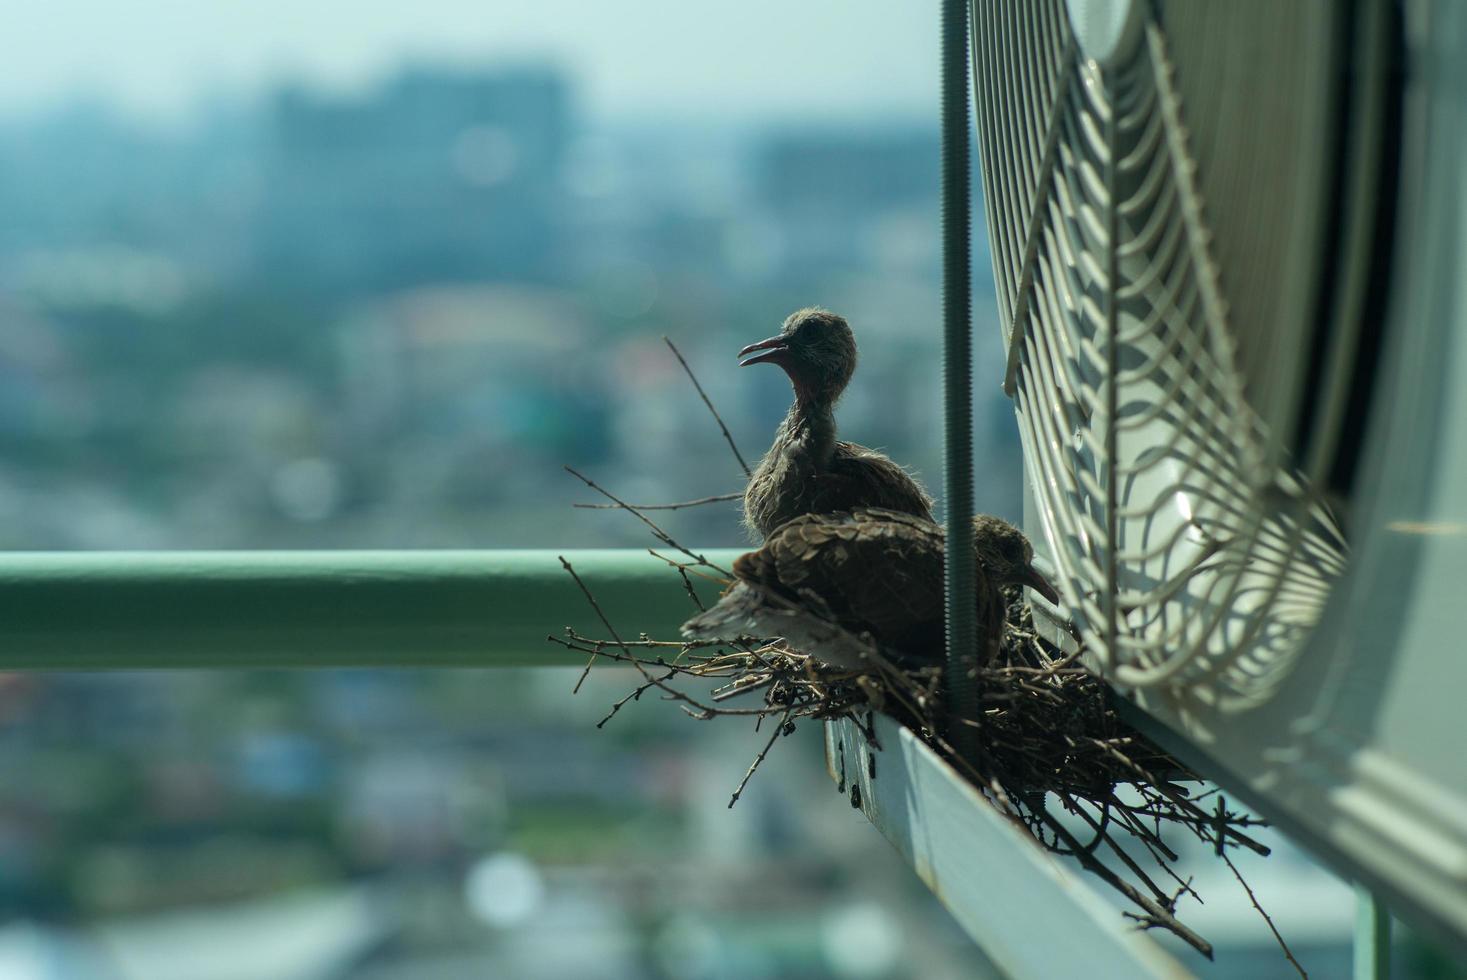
1040, 584
774, 351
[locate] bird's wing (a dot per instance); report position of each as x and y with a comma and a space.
861, 477
751, 610
873, 570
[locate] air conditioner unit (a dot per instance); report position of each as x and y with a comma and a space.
1228, 241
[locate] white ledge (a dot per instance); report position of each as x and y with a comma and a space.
1031, 915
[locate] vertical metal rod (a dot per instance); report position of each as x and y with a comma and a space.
1112, 371
957, 371
1372, 936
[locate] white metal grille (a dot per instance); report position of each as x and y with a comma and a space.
1187, 553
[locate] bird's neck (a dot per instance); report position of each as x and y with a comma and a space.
808, 431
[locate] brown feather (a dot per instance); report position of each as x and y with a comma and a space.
871, 571
855, 477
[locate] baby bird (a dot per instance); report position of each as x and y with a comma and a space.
806, 470
826, 581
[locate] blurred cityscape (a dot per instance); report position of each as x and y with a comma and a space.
387, 319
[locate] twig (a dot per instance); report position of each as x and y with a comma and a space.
701, 711
745, 684
1271, 928
688, 566
657, 532
716, 498
600, 615
692, 593
1156, 913
702, 394
635, 695
1187, 811
779, 730
1120, 852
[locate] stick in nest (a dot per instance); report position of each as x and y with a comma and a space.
715, 499
1049, 731
657, 532
716, 417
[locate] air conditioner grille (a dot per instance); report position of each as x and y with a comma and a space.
1189, 556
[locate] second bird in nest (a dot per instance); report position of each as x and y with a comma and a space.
807, 470
832, 584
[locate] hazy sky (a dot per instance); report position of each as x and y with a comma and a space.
629, 57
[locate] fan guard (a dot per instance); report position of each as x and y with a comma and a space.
1157, 181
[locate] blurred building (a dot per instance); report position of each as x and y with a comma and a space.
848, 199
436, 177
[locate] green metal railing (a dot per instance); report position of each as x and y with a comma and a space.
124, 610
1372, 936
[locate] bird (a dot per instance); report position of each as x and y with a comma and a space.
807, 470
832, 584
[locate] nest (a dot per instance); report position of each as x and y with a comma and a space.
1047, 742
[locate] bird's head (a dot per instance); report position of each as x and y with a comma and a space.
815, 348
1007, 556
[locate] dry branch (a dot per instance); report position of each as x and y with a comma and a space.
704, 395
715, 499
